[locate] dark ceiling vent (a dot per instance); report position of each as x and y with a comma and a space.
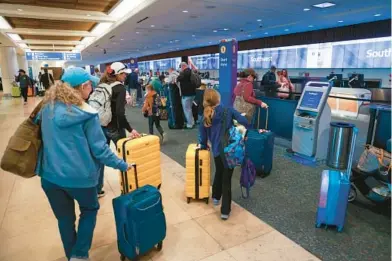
111, 37
210, 6
194, 16
144, 19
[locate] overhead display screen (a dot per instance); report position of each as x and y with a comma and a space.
206, 62
369, 53
159, 65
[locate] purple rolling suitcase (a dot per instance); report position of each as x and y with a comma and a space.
334, 192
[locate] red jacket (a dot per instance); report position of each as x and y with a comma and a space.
249, 94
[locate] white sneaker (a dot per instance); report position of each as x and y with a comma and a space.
164, 137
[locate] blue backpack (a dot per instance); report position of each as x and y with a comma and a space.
248, 176
233, 145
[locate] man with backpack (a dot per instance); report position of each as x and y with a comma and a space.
46, 79
189, 81
269, 82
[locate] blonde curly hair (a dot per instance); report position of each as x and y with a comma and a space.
63, 92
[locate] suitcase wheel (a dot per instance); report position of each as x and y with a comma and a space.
159, 246
340, 229
122, 258
207, 200
188, 200
159, 186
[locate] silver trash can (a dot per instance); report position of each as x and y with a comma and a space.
340, 136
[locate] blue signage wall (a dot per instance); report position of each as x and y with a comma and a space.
228, 52
52, 56
159, 65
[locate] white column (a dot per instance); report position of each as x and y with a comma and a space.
22, 63
9, 68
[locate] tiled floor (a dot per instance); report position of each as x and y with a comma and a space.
28, 229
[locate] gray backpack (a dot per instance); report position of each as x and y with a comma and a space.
101, 100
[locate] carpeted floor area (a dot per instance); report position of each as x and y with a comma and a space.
287, 200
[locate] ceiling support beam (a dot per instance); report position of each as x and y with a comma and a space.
50, 13
30, 31
50, 42
51, 48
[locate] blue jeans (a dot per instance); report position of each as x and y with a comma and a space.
111, 135
62, 201
187, 102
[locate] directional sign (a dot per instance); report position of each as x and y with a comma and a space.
53, 56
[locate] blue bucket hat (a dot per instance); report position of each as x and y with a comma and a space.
76, 76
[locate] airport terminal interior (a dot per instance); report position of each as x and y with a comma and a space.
305, 87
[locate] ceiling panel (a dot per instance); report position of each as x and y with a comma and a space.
50, 37
87, 5
17, 22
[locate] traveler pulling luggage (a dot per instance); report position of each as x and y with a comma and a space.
334, 193
140, 222
198, 173
145, 153
259, 147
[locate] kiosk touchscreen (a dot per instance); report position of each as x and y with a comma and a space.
311, 121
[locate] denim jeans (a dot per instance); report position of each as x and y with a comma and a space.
111, 135
62, 201
133, 94
187, 102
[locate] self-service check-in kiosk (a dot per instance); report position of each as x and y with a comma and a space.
311, 122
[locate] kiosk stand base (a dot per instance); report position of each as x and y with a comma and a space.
303, 159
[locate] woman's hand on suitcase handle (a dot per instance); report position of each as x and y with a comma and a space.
134, 134
130, 166
264, 105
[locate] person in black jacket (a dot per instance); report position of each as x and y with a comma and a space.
188, 93
46, 79
116, 129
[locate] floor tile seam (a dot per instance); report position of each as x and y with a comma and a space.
198, 224
8, 201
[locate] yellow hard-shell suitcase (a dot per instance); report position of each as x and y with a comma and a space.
198, 173
145, 154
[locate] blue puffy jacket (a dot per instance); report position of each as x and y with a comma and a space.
74, 146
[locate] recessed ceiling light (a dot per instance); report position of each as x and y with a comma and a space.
324, 5
310, 25
171, 42
114, 43
185, 11
215, 31
249, 35
137, 32
20, 10
176, 41
210, 42
88, 15
266, 33
193, 35
152, 25
258, 20
341, 21
306, 9
376, 15
225, 29
122, 39
286, 30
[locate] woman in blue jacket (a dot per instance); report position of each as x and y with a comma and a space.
211, 129
74, 147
